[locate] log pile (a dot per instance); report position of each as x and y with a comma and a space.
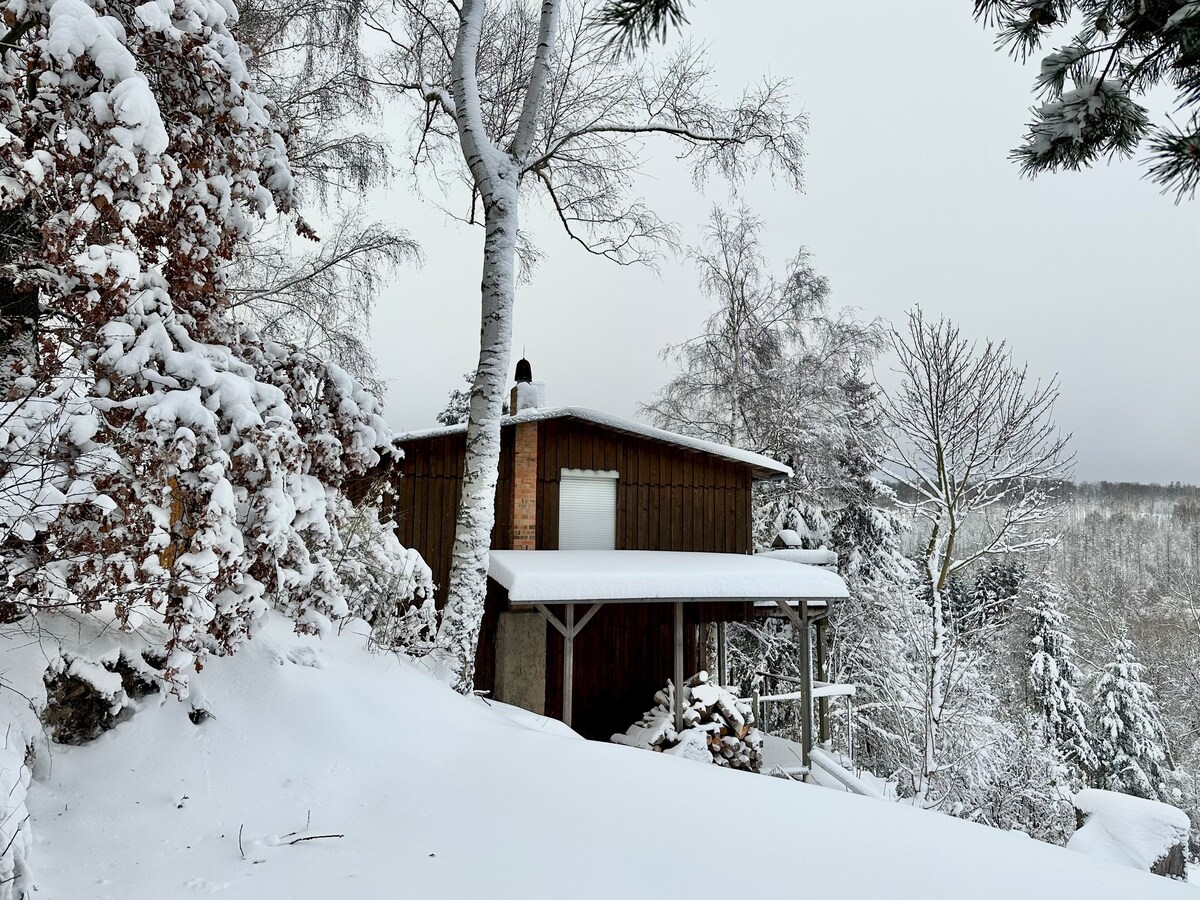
718, 727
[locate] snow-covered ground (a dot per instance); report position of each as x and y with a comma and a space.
436, 795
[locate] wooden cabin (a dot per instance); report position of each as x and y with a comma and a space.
619, 545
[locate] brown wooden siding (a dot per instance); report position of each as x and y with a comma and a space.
428, 488
668, 498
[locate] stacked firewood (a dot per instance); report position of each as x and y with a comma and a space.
717, 726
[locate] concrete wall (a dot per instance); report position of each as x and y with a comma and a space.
521, 660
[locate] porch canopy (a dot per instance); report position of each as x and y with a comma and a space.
555, 577
566, 578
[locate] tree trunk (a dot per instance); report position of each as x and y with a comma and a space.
935, 699
496, 175
459, 631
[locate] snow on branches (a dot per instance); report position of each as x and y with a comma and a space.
1130, 743
155, 455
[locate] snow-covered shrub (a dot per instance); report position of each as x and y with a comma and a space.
156, 457
388, 586
717, 727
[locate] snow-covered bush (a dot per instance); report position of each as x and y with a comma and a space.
156, 458
717, 727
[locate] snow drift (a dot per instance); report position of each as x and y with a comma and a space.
328, 771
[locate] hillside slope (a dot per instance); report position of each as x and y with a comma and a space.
437, 795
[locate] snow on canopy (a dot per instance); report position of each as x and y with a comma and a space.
804, 557
1127, 830
575, 576
767, 466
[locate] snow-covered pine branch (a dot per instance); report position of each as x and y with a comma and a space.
1114, 53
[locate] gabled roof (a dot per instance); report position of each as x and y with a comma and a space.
764, 466
647, 576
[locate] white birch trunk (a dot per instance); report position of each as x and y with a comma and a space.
459, 631
496, 175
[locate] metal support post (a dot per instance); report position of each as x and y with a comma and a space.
678, 666
806, 682
722, 670
822, 676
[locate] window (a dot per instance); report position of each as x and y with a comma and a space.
587, 510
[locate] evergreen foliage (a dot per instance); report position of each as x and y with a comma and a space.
1054, 678
1088, 86
1130, 744
633, 24
991, 599
458, 404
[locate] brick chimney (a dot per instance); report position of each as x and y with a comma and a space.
526, 394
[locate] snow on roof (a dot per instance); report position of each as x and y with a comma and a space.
617, 423
1127, 830
789, 538
583, 576
820, 557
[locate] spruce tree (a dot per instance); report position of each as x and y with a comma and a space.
865, 534
1053, 677
870, 630
992, 597
1131, 746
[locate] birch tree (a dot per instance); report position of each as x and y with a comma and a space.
537, 106
767, 370
973, 440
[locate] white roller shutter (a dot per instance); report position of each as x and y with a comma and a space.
587, 510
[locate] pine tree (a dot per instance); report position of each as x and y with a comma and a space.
1131, 745
1112, 54
1053, 678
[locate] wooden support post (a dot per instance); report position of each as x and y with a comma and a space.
678, 666
823, 676
722, 671
805, 683
568, 679
568, 629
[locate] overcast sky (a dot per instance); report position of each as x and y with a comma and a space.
910, 199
